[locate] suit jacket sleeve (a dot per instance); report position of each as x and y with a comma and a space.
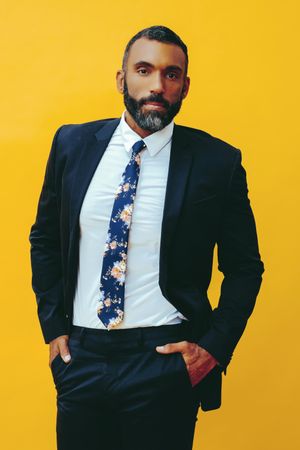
47, 279
239, 261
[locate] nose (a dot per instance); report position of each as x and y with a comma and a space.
157, 84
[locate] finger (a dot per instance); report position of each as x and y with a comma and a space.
64, 351
53, 351
51, 358
172, 347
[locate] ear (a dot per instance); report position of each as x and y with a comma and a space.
120, 76
186, 87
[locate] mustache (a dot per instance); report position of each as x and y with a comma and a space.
154, 98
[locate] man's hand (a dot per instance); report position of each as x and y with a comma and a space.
59, 345
198, 361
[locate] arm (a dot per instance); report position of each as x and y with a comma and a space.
47, 280
239, 261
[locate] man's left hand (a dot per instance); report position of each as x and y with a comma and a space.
198, 360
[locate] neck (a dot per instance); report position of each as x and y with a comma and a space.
131, 122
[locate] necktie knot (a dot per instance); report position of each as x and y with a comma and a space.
137, 147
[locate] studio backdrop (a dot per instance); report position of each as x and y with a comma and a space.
59, 61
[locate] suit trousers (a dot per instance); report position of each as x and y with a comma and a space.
119, 393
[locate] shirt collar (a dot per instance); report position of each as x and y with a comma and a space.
154, 142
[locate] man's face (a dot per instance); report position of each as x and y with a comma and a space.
154, 83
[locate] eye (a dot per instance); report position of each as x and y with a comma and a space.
172, 75
142, 71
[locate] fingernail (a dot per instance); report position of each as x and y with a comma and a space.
67, 358
160, 347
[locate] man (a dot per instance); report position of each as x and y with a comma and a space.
122, 250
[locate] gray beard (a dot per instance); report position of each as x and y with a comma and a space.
150, 121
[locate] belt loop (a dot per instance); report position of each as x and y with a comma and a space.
81, 335
141, 337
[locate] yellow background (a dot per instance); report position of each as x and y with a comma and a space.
59, 60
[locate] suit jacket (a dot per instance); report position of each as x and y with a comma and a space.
206, 203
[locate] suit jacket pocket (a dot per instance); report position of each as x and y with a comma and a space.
204, 200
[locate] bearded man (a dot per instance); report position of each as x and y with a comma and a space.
122, 250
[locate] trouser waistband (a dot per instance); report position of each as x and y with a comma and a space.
138, 335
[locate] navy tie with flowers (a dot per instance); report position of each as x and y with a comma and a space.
112, 285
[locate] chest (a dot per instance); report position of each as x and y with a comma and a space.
150, 193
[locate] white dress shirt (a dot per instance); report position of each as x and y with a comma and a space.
144, 304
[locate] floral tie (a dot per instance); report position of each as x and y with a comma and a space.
111, 302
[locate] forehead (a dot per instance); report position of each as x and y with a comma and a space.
159, 54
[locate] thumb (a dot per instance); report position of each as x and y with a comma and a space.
64, 351
167, 348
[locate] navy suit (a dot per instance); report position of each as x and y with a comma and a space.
206, 203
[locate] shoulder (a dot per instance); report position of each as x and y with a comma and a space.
79, 131
203, 141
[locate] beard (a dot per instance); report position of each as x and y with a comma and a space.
151, 120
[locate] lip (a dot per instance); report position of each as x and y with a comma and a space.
155, 105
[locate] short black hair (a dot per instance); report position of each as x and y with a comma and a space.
157, 33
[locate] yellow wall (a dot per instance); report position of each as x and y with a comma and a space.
59, 60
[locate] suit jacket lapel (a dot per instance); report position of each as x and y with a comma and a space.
179, 169
90, 156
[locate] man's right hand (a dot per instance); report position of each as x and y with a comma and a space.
57, 346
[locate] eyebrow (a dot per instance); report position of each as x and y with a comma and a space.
145, 63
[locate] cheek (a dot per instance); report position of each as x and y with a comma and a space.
173, 94
138, 86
